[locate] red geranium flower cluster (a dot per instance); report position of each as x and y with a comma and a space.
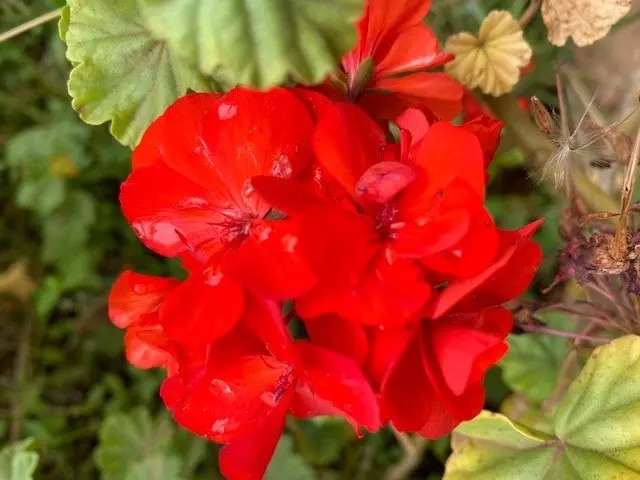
382, 249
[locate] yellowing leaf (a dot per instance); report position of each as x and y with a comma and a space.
15, 281
596, 435
585, 21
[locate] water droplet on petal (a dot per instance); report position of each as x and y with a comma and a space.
193, 202
213, 277
227, 111
247, 189
457, 253
389, 255
140, 289
198, 149
421, 221
289, 243
281, 168
397, 225
263, 233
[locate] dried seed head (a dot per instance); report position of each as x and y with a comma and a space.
541, 115
602, 260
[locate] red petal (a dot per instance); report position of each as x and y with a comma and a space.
263, 318
487, 130
474, 252
286, 195
174, 135
251, 133
340, 335
272, 260
407, 396
202, 309
464, 158
510, 281
334, 385
247, 457
347, 142
458, 289
170, 214
435, 90
386, 345
385, 19
386, 294
147, 346
316, 102
134, 295
456, 359
225, 403
415, 48
383, 181
415, 122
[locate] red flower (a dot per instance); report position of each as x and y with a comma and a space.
190, 195
387, 70
241, 399
437, 380
398, 211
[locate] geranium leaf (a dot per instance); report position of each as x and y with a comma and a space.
121, 71
532, 365
594, 432
288, 464
17, 462
136, 447
260, 42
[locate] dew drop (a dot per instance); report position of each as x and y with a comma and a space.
213, 277
263, 233
397, 225
289, 243
227, 111
457, 253
281, 168
389, 255
421, 221
247, 188
140, 289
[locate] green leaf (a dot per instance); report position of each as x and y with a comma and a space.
121, 72
66, 231
532, 365
322, 439
17, 462
287, 464
595, 435
597, 417
137, 447
259, 42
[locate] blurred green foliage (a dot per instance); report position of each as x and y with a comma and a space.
64, 382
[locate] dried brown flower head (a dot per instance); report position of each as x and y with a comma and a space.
585, 21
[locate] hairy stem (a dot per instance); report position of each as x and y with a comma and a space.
530, 13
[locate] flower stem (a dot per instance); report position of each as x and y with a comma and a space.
563, 333
619, 245
530, 13
44, 18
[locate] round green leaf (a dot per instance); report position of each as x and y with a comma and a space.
595, 432
134, 447
121, 71
532, 365
259, 42
598, 416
